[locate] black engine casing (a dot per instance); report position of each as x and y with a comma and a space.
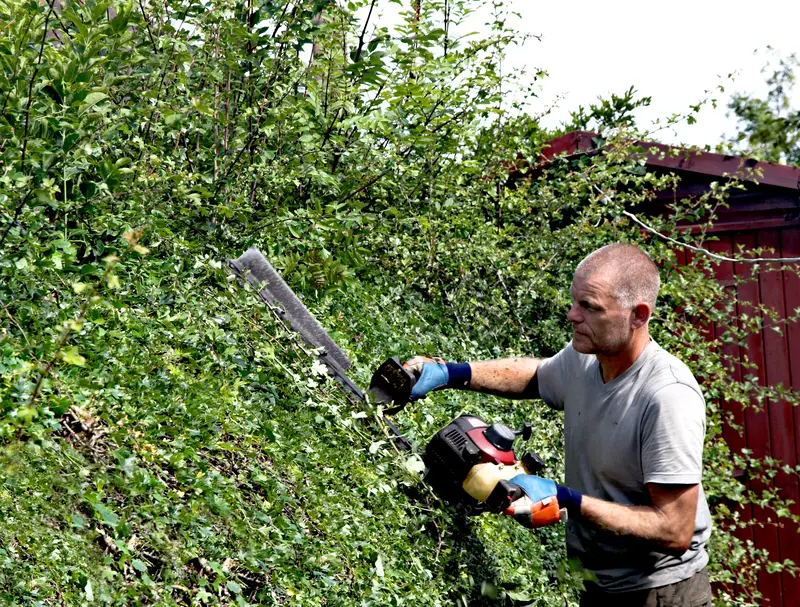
449, 456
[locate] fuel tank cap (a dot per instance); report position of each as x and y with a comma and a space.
501, 436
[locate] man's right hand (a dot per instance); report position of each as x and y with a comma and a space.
431, 374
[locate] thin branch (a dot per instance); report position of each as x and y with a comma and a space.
17, 54
147, 23
359, 49
447, 9
63, 340
66, 333
513, 306
365, 185
13, 320
13, 220
253, 134
163, 77
363, 32
655, 232
216, 110
227, 108
30, 89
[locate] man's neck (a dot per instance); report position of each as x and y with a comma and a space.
612, 366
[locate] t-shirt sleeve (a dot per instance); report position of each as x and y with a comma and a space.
673, 429
551, 377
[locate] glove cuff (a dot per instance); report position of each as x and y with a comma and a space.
459, 375
570, 499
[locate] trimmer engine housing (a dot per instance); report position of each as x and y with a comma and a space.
466, 442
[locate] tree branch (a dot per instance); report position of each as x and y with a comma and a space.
685, 245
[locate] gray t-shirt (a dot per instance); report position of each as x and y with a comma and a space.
645, 426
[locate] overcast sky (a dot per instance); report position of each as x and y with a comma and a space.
672, 51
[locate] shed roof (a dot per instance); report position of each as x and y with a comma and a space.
682, 160
770, 198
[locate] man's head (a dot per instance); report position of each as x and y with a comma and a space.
614, 292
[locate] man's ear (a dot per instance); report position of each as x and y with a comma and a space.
640, 315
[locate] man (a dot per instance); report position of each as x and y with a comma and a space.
634, 422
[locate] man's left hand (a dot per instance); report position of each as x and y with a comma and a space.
544, 502
539, 506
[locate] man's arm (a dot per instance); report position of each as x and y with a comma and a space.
507, 377
668, 522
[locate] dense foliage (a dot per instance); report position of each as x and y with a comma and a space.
165, 439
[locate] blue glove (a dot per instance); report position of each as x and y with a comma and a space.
535, 487
435, 373
543, 501
539, 506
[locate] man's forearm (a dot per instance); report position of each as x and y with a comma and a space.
506, 377
644, 522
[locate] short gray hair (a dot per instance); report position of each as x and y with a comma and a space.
633, 274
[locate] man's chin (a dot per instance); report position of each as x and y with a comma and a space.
581, 344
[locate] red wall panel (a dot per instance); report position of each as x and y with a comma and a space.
790, 241
776, 367
757, 426
773, 357
735, 438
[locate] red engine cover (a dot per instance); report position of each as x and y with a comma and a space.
490, 453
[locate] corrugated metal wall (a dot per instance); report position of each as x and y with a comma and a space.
773, 430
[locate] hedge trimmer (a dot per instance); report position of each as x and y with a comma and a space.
468, 462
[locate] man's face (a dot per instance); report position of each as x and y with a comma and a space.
599, 325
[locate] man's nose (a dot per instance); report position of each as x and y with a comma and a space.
573, 314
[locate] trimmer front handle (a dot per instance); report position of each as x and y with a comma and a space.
392, 383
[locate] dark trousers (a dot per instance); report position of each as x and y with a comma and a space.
692, 592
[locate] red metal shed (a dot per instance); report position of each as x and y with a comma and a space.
765, 214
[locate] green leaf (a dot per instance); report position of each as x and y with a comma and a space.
233, 587
91, 100
77, 21
171, 119
489, 590
27, 414
72, 357
70, 141
518, 595
106, 514
120, 22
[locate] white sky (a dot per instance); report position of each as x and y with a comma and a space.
672, 51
